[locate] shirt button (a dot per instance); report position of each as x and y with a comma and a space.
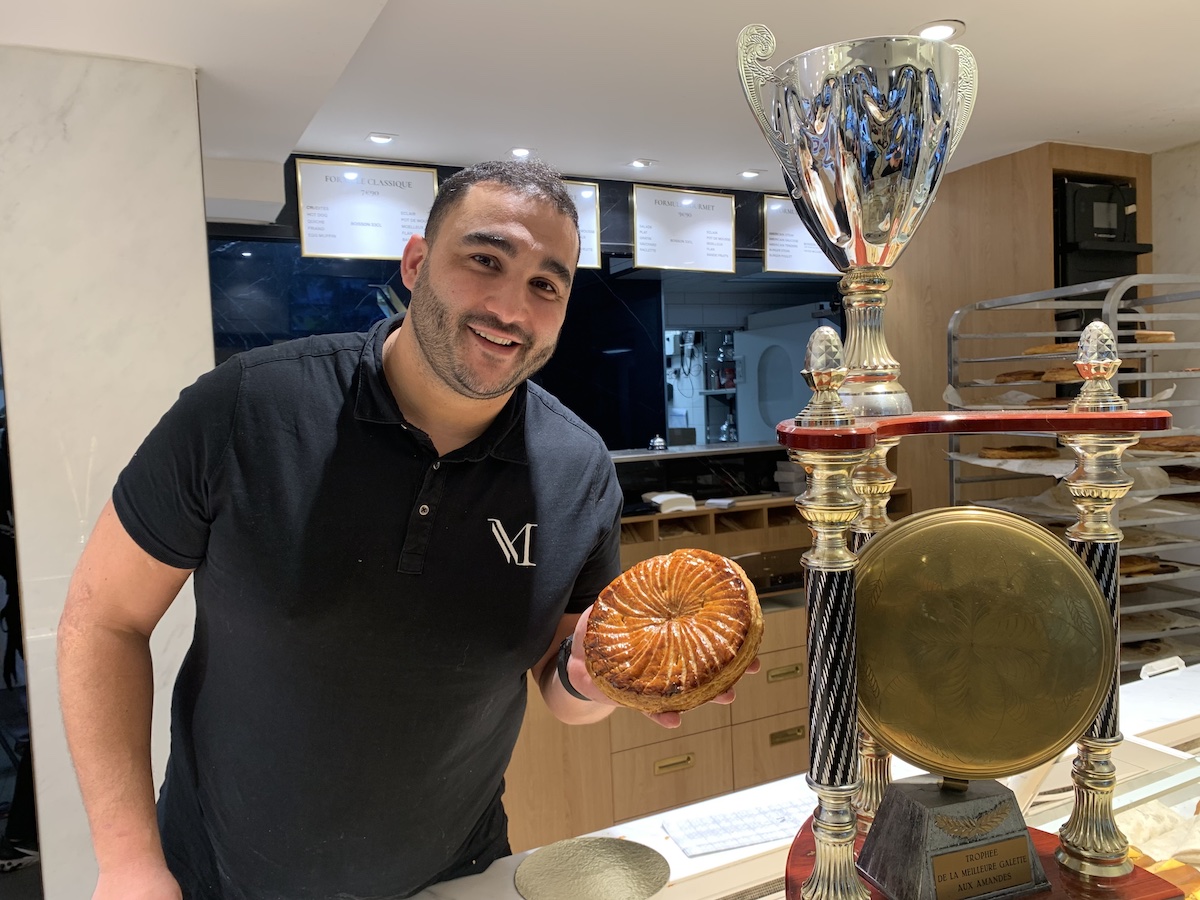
424, 509
437, 464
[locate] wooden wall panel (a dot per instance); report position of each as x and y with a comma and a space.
990, 233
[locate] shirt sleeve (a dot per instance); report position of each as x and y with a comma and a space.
604, 562
163, 495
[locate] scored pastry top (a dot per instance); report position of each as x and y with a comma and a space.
672, 626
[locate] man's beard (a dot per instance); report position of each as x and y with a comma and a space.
441, 340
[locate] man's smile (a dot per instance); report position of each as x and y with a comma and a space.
494, 339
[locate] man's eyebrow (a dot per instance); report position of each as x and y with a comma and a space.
504, 245
493, 240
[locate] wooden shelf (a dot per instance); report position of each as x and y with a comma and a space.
758, 526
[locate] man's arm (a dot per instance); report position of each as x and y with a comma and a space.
566, 708
117, 595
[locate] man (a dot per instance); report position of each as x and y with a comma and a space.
387, 531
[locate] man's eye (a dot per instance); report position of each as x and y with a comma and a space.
484, 260
543, 285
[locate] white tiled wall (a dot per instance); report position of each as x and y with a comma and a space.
104, 316
685, 375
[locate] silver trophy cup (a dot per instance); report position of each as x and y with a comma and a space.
863, 130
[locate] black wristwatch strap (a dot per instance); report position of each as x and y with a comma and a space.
564, 654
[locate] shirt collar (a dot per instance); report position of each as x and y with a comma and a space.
374, 402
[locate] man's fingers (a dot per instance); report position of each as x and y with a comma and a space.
666, 719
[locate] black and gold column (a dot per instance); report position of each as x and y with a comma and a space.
830, 505
1090, 841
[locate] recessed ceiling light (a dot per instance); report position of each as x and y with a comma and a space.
941, 29
521, 152
351, 176
586, 195
247, 253
380, 137
752, 173
643, 163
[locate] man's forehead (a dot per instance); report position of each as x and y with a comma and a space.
490, 204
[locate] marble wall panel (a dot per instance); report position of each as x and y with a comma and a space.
104, 317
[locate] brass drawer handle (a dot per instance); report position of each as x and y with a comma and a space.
787, 735
795, 670
674, 764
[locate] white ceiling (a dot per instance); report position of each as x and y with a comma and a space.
592, 86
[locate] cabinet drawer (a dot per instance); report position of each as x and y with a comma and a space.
629, 728
671, 773
779, 686
783, 629
770, 748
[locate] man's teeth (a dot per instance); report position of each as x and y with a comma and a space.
503, 342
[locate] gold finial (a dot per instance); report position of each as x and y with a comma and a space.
1097, 362
824, 371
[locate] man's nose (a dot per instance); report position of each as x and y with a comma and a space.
509, 301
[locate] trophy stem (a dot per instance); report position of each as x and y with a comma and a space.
834, 876
1090, 842
872, 386
829, 505
875, 774
873, 481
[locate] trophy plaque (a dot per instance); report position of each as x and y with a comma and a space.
863, 130
984, 649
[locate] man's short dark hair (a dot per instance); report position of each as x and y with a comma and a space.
528, 177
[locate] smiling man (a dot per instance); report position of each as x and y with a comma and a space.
387, 531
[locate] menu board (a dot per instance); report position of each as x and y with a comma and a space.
357, 211
586, 195
789, 246
680, 229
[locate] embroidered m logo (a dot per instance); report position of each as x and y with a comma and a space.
509, 545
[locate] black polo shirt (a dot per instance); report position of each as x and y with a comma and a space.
365, 615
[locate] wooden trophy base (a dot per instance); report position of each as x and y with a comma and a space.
1137, 885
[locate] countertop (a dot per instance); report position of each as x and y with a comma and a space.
686, 450
1145, 705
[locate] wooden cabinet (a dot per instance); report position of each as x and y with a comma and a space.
770, 748
671, 773
716, 746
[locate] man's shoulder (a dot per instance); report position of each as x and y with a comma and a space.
315, 347
547, 412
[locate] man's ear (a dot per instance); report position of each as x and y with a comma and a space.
415, 252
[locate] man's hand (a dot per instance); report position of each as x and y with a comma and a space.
142, 882
673, 719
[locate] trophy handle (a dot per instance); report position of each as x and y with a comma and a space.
968, 83
755, 44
